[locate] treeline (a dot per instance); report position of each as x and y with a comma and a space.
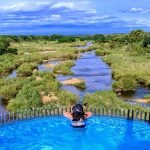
136, 36
133, 36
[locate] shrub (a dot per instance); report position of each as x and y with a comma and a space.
9, 91
80, 85
67, 39
27, 98
26, 69
126, 83
64, 68
4, 44
108, 99
44, 75
102, 52
147, 96
66, 98
51, 86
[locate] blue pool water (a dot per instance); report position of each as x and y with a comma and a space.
55, 133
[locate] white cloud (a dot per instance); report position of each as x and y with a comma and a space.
142, 22
136, 9
53, 17
16, 6
64, 4
24, 6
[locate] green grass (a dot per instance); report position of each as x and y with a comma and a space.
80, 85
108, 99
24, 91
26, 69
147, 96
64, 68
128, 67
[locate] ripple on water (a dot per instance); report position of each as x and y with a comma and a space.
93, 70
56, 133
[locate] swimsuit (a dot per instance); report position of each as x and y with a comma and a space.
78, 124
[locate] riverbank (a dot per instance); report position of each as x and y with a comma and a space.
129, 69
24, 92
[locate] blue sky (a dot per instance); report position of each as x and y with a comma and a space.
73, 16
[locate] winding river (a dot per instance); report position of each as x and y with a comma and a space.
93, 70
96, 73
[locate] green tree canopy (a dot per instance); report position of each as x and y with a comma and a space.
146, 40
136, 35
4, 44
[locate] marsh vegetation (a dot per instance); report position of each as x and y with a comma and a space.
128, 55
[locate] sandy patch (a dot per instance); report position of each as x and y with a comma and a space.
38, 78
35, 70
143, 100
27, 53
72, 81
49, 65
46, 52
48, 98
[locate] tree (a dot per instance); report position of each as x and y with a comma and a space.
146, 41
68, 39
55, 37
4, 44
99, 38
136, 35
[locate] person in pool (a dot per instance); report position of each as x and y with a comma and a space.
78, 116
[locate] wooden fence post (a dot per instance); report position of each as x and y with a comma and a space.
132, 115
128, 114
145, 116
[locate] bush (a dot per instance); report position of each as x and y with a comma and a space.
27, 98
64, 68
9, 91
147, 96
26, 69
108, 99
51, 86
126, 83
80, 85
67, 39
102, 52
44, 75
136, 35
4, 44
66, 98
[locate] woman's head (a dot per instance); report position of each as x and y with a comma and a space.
77, 112
77, 109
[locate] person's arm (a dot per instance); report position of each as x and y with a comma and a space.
68, 115
88, 114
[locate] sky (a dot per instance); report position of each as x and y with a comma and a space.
44, 17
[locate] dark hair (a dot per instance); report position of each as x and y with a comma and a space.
77, 112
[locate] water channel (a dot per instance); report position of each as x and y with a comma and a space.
97, 75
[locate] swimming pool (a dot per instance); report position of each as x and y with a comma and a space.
55, 133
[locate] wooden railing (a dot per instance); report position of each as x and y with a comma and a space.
40, 112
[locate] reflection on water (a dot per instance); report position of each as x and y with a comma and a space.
42, 67
140, 92
12, 75
132, 97
93, 70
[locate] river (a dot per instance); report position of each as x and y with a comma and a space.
97, 75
